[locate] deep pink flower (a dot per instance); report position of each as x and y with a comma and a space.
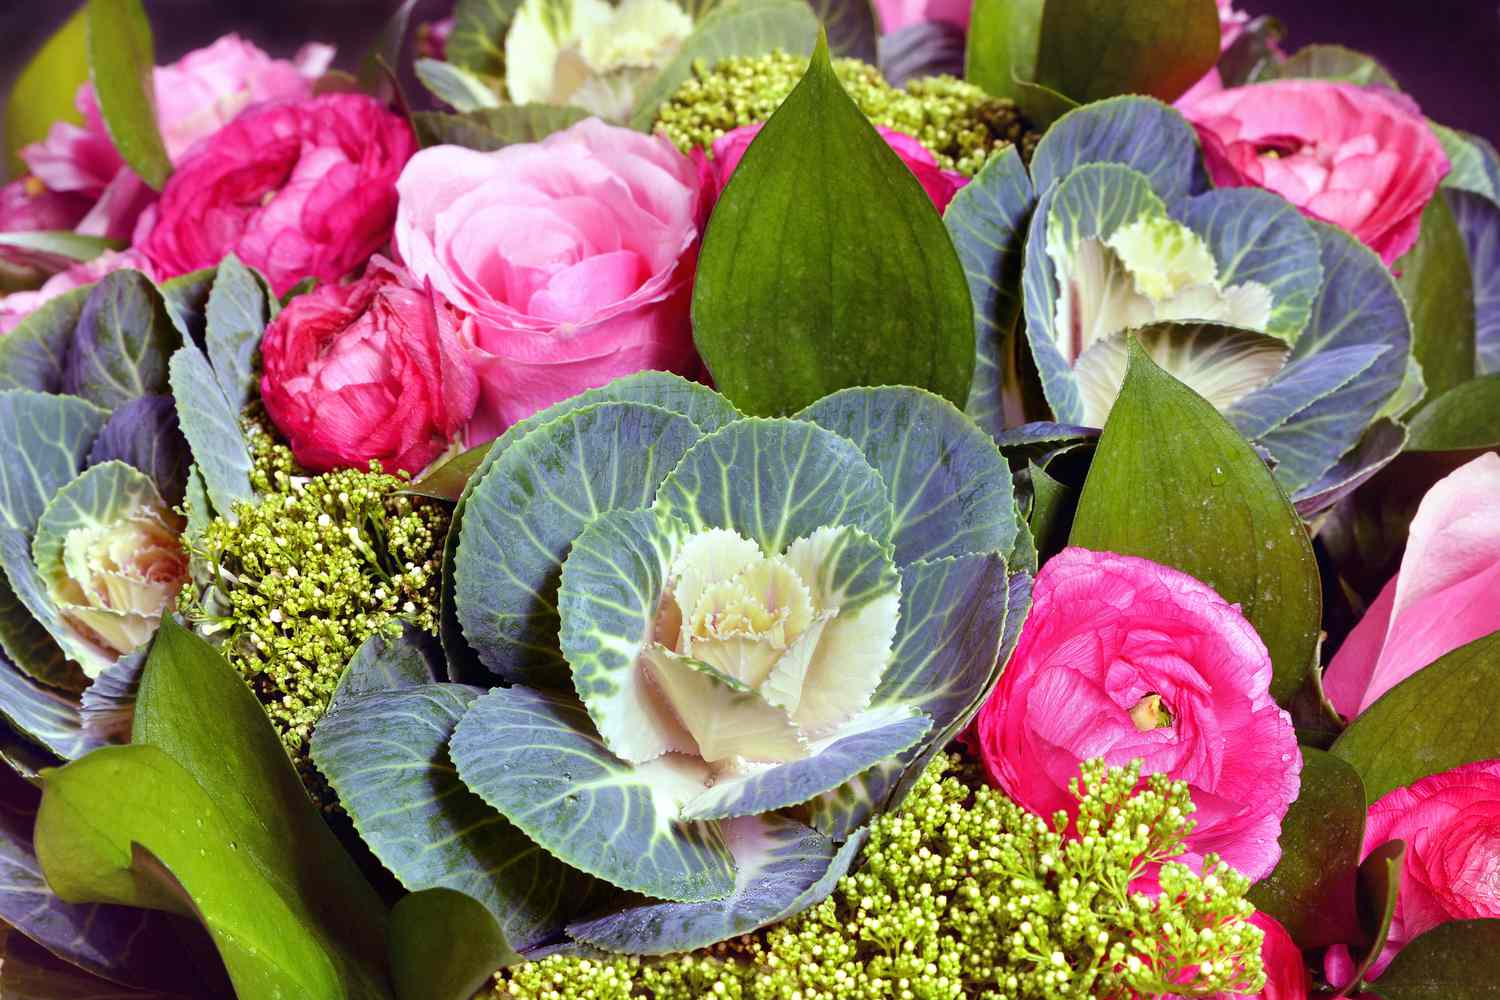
941, 185
897, 14
297, 189
1443, 596
574, 256
1123, 658
1357, 157
26, 205
1451, 825
369, 370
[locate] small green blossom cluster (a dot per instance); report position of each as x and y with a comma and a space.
960, 894
291, 585
957, 121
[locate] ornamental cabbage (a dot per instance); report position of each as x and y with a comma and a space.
701, 652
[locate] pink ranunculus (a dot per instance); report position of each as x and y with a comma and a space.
1360, 158
1123, 658
1286, 974
574, 255
1451, 825
941, 185
1442, 597
16, 306
195, 97
298, 189
897, 14
369, 370
26, 206
1231, 25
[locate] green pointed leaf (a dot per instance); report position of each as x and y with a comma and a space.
525, 512
1053, 504
536, 758
211, 425
777, 861
1208, 506
742, 28
1093, 49
477, 42
775, 481
1004, 36
949, 486
1437, 719
187, 302
1439, 290
1465, 417
1311, 892
1469, 160
800, 289
44, 92
1453, 961
386, 754
1336, 63
455, 86
449, 480
412, 659
203, 814
495, 128
120, 348
444, 946
237, 313
54, 250
376, 68
1379, 880
121, 61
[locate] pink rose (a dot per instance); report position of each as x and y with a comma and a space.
941, 185
897, 14
1442, 597
574, 256
16, 306
1451, 825
195, 97
1359, 158
371, 369
1123, 658
297, 189
1231, 25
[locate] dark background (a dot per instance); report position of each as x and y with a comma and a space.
1445, 53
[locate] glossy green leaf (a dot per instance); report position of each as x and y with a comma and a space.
1053, 504
455, 86
1467, 159
949, 486
477, 42
238, 309
495, 128
800, 291
120, 348
528, 508
1379, 882
1003, 39
384, 55
203, 814
1311, 892
409, 660
121, 61
444, 946
1172, 481
187, 302
447, 480
1093, 49
1457, 960
54, 250
742, 28
1440, 717
211, 425
44, 92
536, 757
1439, 290
386, 754
1466, 416
1336, 63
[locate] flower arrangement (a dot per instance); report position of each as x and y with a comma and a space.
759, 500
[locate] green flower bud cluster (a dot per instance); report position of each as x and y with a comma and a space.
290, 586
958, 122
961, 893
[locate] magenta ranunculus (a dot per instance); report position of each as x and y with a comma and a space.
195, 97
574, 256
1451, 825
27, 205
941, 185
897, 14
298, 189
1123, 658
1442, 597
369, 370
1287, 977
1361, 158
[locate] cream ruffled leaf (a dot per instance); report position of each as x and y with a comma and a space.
726, 718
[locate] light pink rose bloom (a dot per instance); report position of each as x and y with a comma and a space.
1286, 974
941, 185
897, 14
369, 370
1360, 158
1451, 825
574, 256
16, 306
195, 97
1443, 596
1123, 658
297, 189
1231, 25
